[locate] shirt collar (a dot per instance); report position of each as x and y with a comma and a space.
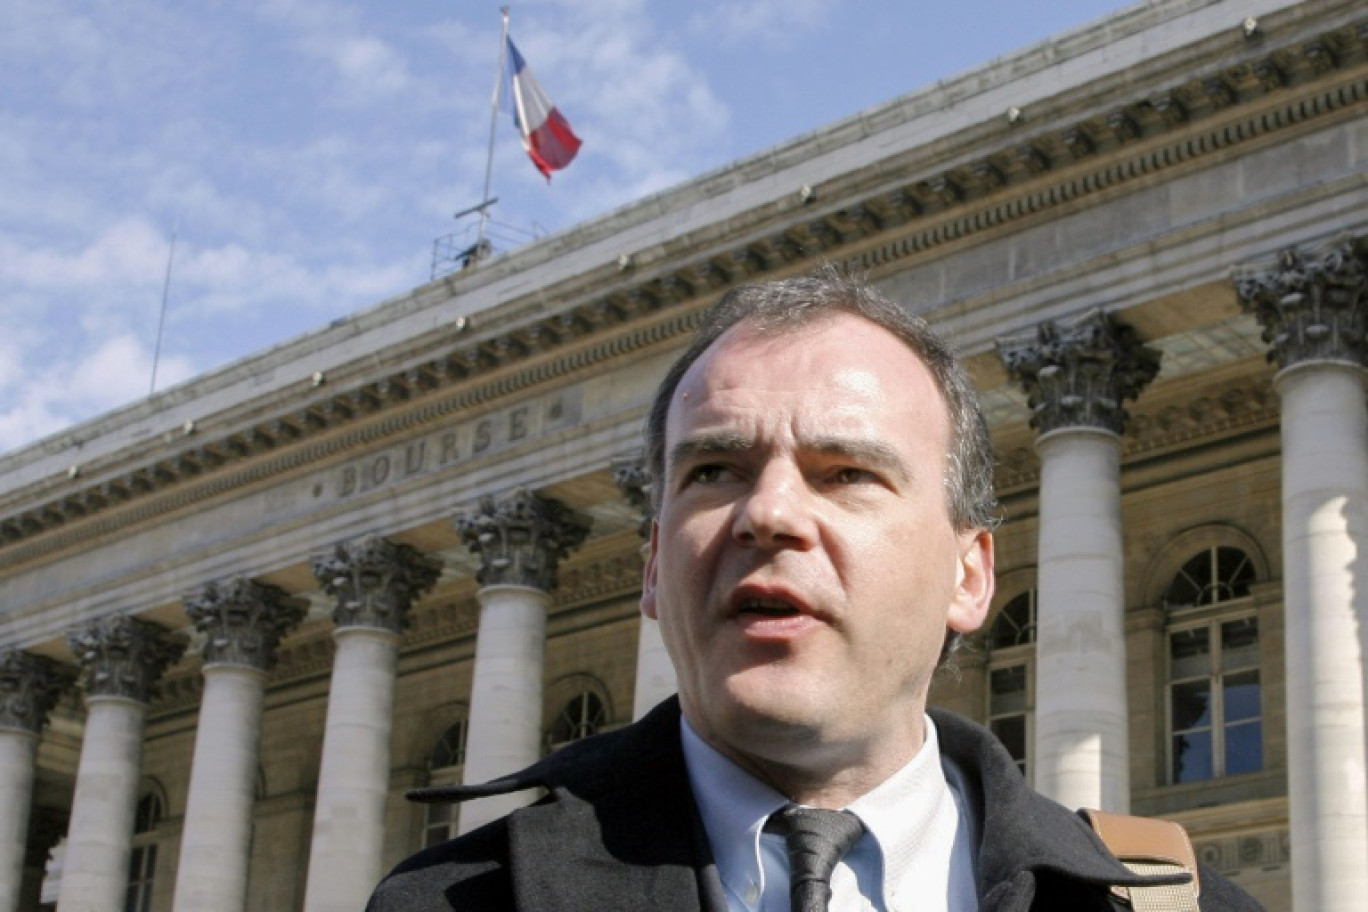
913, 819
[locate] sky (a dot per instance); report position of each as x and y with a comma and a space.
305, 154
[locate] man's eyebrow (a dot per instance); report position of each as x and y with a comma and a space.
874, 454
719, 443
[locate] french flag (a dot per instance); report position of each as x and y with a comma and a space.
546, 135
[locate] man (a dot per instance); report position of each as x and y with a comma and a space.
822, 479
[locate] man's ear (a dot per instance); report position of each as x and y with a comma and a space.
975, 582
648, 581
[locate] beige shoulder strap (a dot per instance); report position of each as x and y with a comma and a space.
1148, 845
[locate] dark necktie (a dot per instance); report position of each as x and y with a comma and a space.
816, 840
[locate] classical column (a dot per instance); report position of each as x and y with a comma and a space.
1076, 374
242, 621
1312, 307
30, 686
520, 542
122, 659
375, 582
655, 676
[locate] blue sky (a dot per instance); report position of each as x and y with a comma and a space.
307, 152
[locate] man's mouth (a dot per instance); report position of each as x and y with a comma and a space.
768, 607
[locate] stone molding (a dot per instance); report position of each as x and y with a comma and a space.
618, 576
632, 479
123, 656
1312, 304
1078, 372
243, 620
30, 686
1247, 851
521, 539
936, 209
375, 581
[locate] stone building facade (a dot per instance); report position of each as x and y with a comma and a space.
238, 620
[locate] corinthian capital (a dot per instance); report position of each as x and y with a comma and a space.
1077, 372
629, 472
522, 539
243, 620
375, 581
30, 686
1310, 303
124, 657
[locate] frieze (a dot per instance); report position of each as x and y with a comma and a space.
476, 439
927, 197
1260, 850
613, 577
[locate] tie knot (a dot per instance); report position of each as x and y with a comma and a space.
816, 839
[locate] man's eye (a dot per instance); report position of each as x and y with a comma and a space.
706, 474
848, 475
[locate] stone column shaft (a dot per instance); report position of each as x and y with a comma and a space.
345, 857
655, 674
521, 542
1325, 528
1077, 374
217, 837
99, 838
29, 687
1081, 756
243, 621
375, 582
123, 658
18, 749
1313, 307
506, 692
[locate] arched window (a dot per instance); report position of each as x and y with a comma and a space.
581, 717
142, 866
1011, 676
444, 767
1215, 696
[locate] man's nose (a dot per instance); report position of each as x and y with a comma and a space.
776, 511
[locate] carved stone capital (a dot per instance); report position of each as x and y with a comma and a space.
123, 656
522, 539
1077, 372
630, 474
30, 686
1310, 303
243, 620
375, 581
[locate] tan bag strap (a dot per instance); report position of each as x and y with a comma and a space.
1147, 845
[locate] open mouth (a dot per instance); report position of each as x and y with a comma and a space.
775, 608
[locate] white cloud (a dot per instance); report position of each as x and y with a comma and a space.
773, 23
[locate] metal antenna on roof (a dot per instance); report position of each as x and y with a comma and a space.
161, 319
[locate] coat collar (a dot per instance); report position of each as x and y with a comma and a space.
619, 829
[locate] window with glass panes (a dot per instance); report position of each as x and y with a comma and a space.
1010, 641
581, 717
142, 863
444, 766
1215, 694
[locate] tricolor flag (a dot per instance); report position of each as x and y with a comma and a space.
546, 135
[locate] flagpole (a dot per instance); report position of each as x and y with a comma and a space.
161, 319
493, 125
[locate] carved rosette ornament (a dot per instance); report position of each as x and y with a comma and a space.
30, 686
522, 539
1311, 304
243, 620
375, 581
123, 656
1078, 372
630, 474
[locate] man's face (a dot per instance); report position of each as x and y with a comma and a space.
803, 567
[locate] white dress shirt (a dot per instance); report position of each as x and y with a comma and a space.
916, 854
